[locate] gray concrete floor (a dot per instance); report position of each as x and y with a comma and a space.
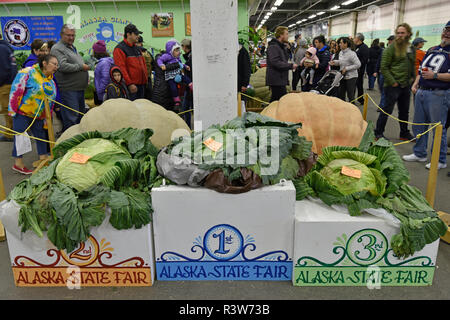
244, 289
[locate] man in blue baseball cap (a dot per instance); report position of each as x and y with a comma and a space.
432, 99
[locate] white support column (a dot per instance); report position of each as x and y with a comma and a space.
329, 28
398, 13
214, 26
353, 23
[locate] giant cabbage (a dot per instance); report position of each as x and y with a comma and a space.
104, 155
67, 199
383, 184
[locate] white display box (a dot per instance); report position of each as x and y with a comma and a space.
332, 248
201, 234
109, 258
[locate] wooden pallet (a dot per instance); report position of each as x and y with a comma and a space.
2, 197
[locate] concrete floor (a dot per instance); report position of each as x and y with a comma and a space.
244, 289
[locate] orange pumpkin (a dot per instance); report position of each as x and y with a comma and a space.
326, 121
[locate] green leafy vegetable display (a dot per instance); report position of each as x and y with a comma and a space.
252, 141
382, 184
66, 199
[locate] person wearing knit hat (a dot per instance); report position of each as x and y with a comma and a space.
103, 63
310, 62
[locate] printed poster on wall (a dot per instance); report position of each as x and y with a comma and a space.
162, 25
187, 19
19, 32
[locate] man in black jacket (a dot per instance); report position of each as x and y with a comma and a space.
362, 51
324, 55
244, 68
8, 71
278, 67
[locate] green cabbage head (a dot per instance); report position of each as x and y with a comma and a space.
371, 179
104, 155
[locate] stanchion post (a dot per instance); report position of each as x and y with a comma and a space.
48, 118
366, 101
432, 176
239, 104
2, 197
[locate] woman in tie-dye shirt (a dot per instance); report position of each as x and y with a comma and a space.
28, 90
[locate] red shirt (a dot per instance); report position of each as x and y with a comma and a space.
128, 57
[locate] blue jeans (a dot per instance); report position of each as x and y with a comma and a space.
431, 107
74, 100
380, 86
140, 93
20, 123
371, 80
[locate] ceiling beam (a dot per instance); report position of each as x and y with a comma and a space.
295, 15
257, 19
339, 14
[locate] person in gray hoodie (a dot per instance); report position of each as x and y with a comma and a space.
299, 54
72, 77
349, 64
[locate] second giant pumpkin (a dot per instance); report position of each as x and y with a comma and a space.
326, 121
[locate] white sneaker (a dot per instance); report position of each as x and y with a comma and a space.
412, 157
440, 165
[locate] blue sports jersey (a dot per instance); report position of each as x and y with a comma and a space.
437, 60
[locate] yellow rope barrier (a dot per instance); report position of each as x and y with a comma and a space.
403, 121
361, 96
183, 112
256, 99
34, 118
66, 106
419, 135
23, 133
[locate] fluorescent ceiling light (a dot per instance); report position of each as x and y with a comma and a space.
312, 16
269, 13
348, 2
335, 8
303, 20
299, 21
273, 9
278, 2
320, 13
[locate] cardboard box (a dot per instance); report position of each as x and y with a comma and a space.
106, 259
332, 248
201, 234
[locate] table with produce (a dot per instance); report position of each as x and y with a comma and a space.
104, 178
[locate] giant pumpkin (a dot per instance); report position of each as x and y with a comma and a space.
326, 121
114, 114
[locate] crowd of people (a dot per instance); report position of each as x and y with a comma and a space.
57, 71
400, 68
